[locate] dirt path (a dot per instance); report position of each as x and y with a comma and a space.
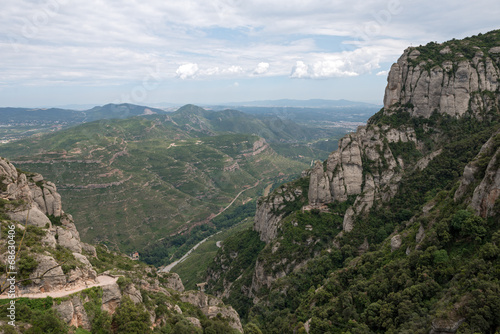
102, 280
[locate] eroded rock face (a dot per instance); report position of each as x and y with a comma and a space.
269, 211
173, 281
73, 313
34, 200
485, 195
133, 293
363, 166
448, 87
54, 280
111, 297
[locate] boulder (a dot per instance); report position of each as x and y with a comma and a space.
111, 297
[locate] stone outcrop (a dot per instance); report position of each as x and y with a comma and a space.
270, 211
487, 189
111, 297
36, 202
173, 281
211, 307
449, 87
363, 166
73, 313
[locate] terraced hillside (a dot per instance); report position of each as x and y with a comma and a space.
132, 182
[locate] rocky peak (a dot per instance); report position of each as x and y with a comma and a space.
446, 79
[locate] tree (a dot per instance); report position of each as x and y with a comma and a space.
131, 318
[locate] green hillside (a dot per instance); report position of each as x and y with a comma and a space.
135, 183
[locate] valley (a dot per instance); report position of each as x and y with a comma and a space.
154, 183
274, 220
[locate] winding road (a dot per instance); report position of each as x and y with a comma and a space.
169, 267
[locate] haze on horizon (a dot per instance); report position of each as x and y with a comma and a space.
59, 52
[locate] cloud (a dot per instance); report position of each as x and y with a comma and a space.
233, 70
91, 43
300, 70
187, 71
383, 73
342, 64
261, 68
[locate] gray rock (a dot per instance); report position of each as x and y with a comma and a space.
80, 317
396, 242
420, 234
35, 217
447, 91
66, 239
174, 282
111, 297
133, 293
196, 322
65, 310
52, 279
89, 249
266, 217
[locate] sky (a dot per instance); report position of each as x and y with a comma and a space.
90, 52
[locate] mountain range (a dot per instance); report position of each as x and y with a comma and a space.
397, 230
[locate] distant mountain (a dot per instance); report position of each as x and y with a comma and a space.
120, 111
312, 103
16, 123
272, 128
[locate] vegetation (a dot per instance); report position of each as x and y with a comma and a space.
446, 268
182, 173
193, 269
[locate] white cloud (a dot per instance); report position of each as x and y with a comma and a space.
382, 73
233, 70
300, 70
342, 64
187, 71
261, 68
210, 71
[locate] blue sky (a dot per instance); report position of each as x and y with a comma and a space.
58, 52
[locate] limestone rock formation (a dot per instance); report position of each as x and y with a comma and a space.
212, 306
270, 211
35, 201
449, 87
486, 193
111, 297
173, 281
363, 166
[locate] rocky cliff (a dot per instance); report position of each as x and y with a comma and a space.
446, 80
438, 80
29, 200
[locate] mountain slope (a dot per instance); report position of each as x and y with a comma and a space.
132, 182
57, 284
398, 230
